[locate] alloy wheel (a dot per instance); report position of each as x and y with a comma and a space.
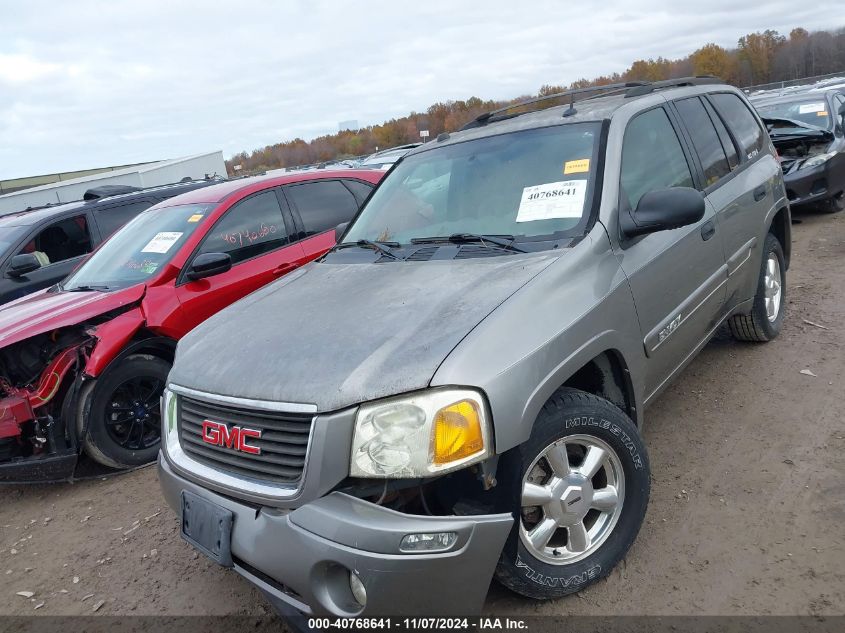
772, 287
133, 418
572, 497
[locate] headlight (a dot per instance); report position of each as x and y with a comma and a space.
169, 431
420, 434
815, 161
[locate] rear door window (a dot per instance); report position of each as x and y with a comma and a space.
741, 122
727, 142
706, 141
322, 205
250, 228
111, 219
57, 242
652, 157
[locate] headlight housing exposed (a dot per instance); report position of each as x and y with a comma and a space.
818, 159
420, 434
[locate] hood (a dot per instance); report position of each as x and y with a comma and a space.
47, 310
786, 130
336, 334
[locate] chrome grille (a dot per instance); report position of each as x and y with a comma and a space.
283, 442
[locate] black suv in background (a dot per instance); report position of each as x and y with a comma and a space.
807, 128
40, 247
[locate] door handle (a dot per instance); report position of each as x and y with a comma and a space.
759, 193
283, 269
708, 230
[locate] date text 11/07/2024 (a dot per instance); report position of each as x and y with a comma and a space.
419, 623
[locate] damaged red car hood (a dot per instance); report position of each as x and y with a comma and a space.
45, 311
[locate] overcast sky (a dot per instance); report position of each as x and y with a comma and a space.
87, 84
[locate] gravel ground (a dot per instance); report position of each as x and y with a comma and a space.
746, 515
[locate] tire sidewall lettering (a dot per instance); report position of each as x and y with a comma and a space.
601, 423
575, 580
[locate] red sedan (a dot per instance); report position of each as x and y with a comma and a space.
83, 364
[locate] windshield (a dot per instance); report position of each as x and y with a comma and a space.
528, 184
9, 235
811, 112
138, 250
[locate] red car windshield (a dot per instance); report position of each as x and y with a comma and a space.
138, 250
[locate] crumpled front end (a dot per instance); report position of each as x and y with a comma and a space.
813, 170
45, 363
33, 396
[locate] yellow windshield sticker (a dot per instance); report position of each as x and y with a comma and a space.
822, 113
576, 166
195, 218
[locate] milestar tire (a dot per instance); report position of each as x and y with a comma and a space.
123, 414
578, 489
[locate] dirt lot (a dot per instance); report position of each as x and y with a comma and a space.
747, 512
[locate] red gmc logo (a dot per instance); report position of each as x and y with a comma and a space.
219, 434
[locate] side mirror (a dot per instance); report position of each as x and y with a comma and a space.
663, 209
339, 230
23, 264
842, 111
208, 265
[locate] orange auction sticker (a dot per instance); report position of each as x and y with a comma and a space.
576, 166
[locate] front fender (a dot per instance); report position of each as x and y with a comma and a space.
577, 308
112, 337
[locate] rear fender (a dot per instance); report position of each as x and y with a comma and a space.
112, 337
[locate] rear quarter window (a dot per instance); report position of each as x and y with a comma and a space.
740, 121
359, 189
322, 204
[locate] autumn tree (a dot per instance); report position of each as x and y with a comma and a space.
757, 52
712, 59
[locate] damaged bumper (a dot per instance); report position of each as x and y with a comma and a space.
815, 184
51, 459
302, 558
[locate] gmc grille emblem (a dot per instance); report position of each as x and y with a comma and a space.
218, 434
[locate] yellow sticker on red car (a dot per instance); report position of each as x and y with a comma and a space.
195, 218
576, 166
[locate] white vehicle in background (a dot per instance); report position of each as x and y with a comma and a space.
385, 158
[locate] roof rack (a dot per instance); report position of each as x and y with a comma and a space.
106, 191
630, 88
648, 87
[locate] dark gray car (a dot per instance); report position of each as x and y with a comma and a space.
456, 391
808, 131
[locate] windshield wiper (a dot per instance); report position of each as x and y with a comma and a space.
502, 241
87, 288
378, 246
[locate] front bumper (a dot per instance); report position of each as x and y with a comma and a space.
301, 558
813, 185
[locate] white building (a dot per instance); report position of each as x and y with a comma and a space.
148, 175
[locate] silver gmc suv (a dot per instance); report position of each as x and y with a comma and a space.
455, 392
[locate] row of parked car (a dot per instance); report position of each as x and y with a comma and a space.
384, 394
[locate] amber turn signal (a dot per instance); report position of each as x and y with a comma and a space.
457, 433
